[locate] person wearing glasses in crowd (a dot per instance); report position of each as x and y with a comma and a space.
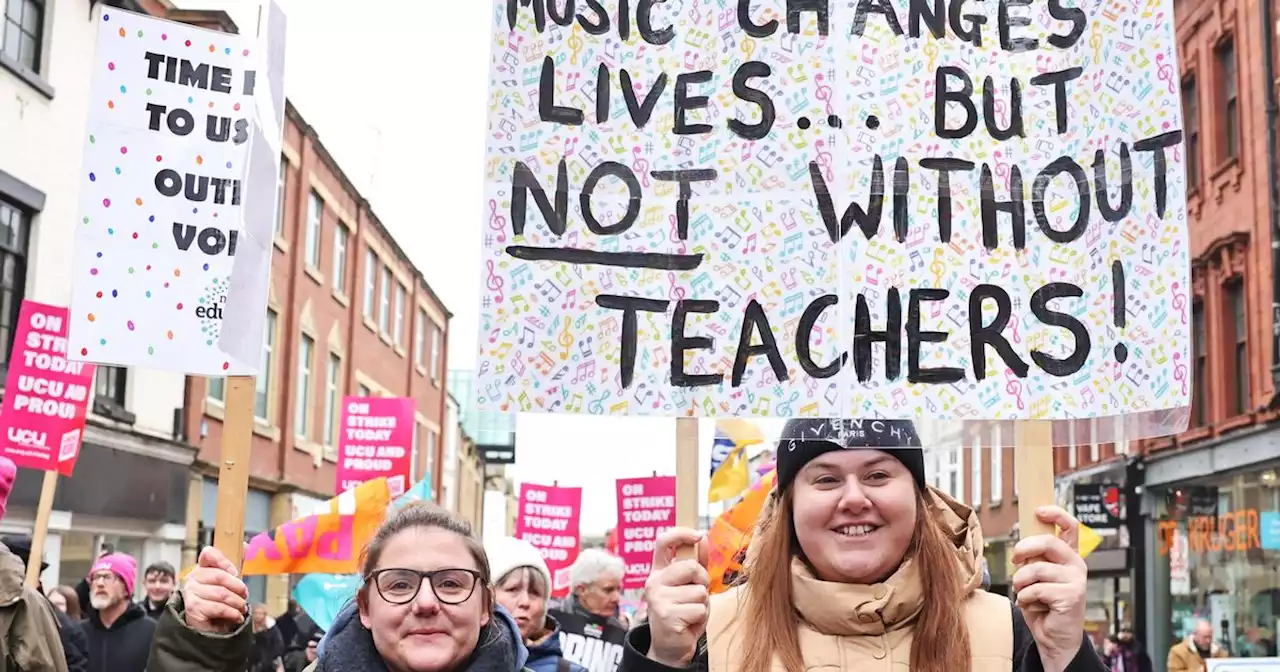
426, 605
117, 631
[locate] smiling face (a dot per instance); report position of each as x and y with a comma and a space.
159, 587
854, 513
424, 635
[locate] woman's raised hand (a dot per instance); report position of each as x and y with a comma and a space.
1051, 588
677, 598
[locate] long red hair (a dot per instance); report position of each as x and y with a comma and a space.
941, 638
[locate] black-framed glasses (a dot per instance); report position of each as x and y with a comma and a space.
400, 586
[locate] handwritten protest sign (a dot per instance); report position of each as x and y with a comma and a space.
46, 396
646, 507
548, 519
878, 207
164, 187
376, 441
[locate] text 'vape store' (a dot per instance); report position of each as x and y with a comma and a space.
1217, 558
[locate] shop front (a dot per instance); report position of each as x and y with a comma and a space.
1217, 557
1100, 497
128, 494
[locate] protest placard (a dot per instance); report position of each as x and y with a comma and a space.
375, 440
589, 640
164, 187
646, 507
874, 208
46, 396
548, 519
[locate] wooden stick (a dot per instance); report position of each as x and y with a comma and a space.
687, 479
1035, 474
233, 477
43, 511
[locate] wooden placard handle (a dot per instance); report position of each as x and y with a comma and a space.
233, 475
1035, 474
687, 480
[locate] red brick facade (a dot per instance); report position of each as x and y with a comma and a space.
319, 298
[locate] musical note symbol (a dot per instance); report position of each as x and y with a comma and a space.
566, 340
494, 283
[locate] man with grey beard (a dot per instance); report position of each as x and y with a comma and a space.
118, 630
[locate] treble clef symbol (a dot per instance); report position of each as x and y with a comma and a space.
494, 283
496, 221
1165, 72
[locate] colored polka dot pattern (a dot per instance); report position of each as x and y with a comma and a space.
126, 279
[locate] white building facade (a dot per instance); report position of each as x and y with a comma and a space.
131, 484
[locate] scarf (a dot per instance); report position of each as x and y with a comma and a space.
349, 647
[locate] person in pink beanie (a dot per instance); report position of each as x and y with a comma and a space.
118, 629
29, 636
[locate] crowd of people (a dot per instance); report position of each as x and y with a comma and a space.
856, 562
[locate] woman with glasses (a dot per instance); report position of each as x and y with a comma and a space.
426, 605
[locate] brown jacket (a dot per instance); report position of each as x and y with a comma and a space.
31, 642
870, 628
1183, 656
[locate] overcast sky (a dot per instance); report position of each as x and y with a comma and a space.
396, 92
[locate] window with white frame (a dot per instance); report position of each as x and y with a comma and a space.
280, 183
384, 302
302, 406
332, 399
340, 259
431, 453
413, 464
262, 382
315, 215
975, 474
435, 354
997, 466
364, 391
370, 278
398, 325
953, 473
419, 340
217, 388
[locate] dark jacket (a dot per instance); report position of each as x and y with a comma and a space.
29, 639
1129, 658
151, 609
124, 646
573, 606
1026, 658
348, 646
545, 654
75, 647
268, 647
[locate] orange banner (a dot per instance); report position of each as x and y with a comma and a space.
731, 533
326, 543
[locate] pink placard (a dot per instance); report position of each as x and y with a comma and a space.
548, 519
646, 507
46, 396
376, 441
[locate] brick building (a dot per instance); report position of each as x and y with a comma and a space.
1223, 468
348, 314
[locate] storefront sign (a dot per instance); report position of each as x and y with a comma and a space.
376, 441
1269, 530
1235, 531
1098, 505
